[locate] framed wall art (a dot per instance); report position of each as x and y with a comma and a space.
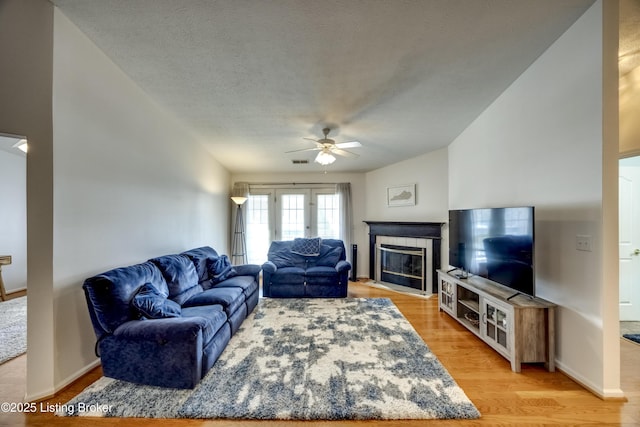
402, 195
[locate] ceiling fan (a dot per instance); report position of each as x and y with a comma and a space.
328, 147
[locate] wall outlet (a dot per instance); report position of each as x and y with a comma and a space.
583, 242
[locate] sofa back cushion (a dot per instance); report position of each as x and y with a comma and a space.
201, 257
109, 294
280, 254
181, 276
331, 251
336, 243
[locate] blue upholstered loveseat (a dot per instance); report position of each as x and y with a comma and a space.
306, 268
166, 321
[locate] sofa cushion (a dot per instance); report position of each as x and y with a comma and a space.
220, 269
288, 275
229, 298
200, 257
213, 316
248, 284
152, 304
110, 293
329, 256
180, 274
321, 272
306, 247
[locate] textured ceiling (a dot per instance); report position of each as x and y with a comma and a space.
251, 78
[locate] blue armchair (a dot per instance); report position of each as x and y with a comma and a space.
315, 268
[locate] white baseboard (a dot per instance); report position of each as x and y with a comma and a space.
46, 394
598, 391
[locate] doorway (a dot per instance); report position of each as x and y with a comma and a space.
13, 257
629, 244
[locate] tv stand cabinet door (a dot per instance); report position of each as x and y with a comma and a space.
447, 295
497, 328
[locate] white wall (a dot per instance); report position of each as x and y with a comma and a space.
541, 143
358, 196
26, 40
129, 183
629, 113
13, 217
429, 173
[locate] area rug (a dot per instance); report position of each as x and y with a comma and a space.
632, 337
13, 328
398, 288
303, 359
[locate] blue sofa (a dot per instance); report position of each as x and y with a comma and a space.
166, 321
306, 268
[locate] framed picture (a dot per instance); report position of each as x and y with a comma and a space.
402, 195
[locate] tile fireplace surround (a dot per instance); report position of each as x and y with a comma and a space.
410, 234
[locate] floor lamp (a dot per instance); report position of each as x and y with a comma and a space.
238, 250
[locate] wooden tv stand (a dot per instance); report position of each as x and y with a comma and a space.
520, 328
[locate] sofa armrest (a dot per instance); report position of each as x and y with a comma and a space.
247, 270
162, 352
269, 267
342, 266
183, 329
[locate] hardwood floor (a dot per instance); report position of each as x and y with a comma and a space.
533, 397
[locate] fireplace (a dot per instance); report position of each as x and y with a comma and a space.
405, 254
402, 265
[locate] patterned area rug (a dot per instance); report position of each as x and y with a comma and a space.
13, 328
632, 337
303, 359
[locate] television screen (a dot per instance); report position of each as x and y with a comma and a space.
495, 243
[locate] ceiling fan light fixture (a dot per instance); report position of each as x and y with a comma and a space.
325, 158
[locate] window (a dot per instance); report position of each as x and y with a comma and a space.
284, 214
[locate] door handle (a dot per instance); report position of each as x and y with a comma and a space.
636, 252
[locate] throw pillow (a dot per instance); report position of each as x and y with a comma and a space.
152, 304
306, 247
220, 269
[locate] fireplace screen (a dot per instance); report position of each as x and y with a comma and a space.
402, 265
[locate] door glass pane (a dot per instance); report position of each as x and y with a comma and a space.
490, 313
491, 331
328, 216
292, 207
258, 232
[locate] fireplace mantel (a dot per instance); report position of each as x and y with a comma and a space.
428, 230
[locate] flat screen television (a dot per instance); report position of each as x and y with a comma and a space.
495, 243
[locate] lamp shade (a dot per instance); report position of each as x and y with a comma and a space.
325, 158
238, 200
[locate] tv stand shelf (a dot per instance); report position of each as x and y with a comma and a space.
519, 327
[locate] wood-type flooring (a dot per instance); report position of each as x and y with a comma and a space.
505, 398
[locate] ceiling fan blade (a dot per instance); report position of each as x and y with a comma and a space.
349, 144
304, 149
343, 153
311, 139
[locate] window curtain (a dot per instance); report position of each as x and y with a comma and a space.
346, 214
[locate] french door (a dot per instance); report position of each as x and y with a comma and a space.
284, 214
293, 214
